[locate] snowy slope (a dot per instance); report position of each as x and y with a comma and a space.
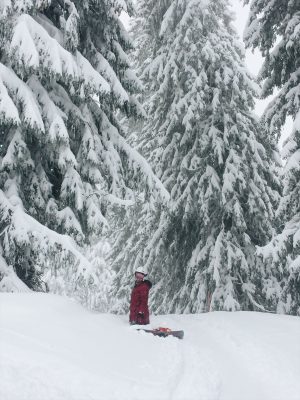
52, 349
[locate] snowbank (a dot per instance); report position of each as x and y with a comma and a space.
51, 349
9, 281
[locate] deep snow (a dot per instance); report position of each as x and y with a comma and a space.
51, 349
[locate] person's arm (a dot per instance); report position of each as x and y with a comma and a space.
143, 303
138, 301
134, 305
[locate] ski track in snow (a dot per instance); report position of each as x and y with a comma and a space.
195, 377
53, 349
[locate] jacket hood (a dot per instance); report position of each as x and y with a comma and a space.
145, 281
148, 283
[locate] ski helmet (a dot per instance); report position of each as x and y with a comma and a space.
141, 270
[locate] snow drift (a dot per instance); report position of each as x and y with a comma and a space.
51, 348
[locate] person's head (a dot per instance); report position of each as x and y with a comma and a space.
139, 274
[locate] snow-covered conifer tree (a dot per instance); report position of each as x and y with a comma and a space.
64, 74
209, 150
274, 28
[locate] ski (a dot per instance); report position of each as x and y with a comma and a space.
164, 332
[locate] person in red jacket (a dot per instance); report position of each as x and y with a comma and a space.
139, 311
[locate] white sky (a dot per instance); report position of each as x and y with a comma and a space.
253, 60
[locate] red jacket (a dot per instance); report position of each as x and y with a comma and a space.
139, 311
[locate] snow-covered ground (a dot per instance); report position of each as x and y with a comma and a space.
51, 349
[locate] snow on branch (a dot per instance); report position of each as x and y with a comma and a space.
107, 71
8, 111
21, 230
32, 47
135, 159
22, 96
22, 5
